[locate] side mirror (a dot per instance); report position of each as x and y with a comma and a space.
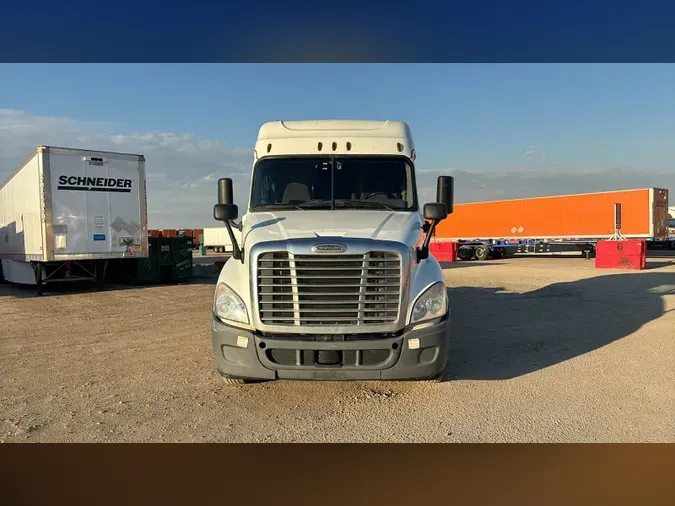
435, 211
445, 192
225, 212
225, 191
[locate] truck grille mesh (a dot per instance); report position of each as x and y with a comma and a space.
322, 289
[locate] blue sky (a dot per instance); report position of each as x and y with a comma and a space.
473, 116
483, 118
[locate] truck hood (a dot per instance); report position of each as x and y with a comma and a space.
369, 224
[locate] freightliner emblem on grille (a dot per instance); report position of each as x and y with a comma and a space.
329, 248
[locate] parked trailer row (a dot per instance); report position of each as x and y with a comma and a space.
65, 213
195, 233
556, 224
218, 239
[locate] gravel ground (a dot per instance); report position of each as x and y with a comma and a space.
543, 350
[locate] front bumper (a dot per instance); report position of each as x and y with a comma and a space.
257, 357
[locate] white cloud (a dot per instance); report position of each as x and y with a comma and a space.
182, 169
530, 151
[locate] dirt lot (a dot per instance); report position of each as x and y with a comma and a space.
543, 350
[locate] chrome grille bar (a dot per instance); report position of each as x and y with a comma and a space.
356, 289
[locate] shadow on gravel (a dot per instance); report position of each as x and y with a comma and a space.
470, 263
74, 288
498, 335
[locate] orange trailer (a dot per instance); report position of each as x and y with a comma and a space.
555, 223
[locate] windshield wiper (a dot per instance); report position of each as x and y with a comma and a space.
302, 206
365, 203
282, 205
315, 203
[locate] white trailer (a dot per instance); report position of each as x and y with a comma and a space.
218, 239
65, 212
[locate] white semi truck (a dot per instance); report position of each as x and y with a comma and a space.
332, 278
65, 213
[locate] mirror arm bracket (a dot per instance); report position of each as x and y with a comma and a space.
423, 251
237, 253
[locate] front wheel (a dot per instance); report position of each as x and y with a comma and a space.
228, 380
233, 381
436, 379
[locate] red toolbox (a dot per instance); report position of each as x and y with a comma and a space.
624, 254
444, 251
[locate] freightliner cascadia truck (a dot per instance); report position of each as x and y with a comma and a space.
332, 277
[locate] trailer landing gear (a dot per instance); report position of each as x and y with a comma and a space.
60, 272
39, 287
587, 251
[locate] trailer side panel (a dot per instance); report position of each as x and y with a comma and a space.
555, 217
21, 210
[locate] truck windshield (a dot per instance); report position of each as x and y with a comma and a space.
334, 183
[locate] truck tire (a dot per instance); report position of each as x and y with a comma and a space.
437, 379
482, 252
465, 253
233, 381
236, 381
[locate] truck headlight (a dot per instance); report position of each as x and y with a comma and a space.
432, 303
228, 305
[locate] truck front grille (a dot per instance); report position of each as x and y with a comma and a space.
319, 290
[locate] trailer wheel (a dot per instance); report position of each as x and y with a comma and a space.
482, 252
465, 253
